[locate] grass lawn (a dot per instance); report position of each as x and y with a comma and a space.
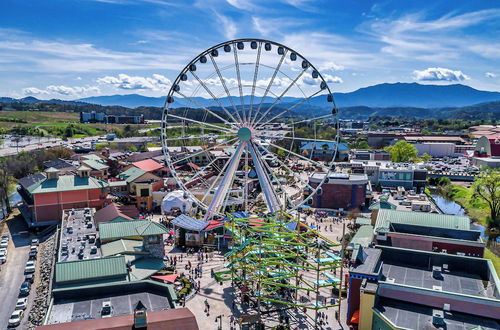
494, 259
476, 208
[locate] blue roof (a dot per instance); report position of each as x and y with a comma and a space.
189, 223
318, 145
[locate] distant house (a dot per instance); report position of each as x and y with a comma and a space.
116, 212
141, 185
46, 195
62, 165
98, 165
325, 151
151, 166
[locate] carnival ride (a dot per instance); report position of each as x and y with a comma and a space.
230, 122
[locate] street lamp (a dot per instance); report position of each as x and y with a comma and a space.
220, 321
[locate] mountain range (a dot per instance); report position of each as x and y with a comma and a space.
380, 96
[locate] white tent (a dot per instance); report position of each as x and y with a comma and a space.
177, 199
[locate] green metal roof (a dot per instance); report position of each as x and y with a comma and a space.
132, 174
67, 183
95, 164
131, 228
386, 217
382, 205
145, 267
122, 246
82, 270
363, 236
363, 221
93, 157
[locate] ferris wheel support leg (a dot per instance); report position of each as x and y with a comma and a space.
272, 201
226, 182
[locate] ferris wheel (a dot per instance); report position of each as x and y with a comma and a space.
244, 128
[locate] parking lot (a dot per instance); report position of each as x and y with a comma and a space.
12, 272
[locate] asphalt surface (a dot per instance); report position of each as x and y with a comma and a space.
12, 272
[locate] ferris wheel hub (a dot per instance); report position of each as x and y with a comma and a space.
244, 134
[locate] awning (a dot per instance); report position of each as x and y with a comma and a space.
167, 278
355, 317
213, 224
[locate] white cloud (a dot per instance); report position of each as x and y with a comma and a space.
331, 66
332, 79
62, 90
241, 4
436, 40
490, 75
34, 91
439, 74
156, 82
229, 28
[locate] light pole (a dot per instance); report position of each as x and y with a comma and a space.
220, 321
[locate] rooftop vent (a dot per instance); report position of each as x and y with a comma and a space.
445, 266
437, 272
437, 288
390, 280
446, 307
438, 317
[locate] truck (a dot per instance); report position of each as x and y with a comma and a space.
110, 137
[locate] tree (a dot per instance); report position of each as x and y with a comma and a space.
402, 152
487, 187
4, 186
69, 131
425, 157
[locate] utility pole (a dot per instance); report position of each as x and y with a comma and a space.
341, 266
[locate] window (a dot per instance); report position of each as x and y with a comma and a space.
153, 239
145, 192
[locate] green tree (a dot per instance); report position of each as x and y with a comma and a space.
69, 131
487, 187
402, 152
425, 157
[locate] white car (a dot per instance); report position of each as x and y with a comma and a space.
30, 267
3, 250
5, 237
3, 258
15, 318
35, 241
4, 244
21, 303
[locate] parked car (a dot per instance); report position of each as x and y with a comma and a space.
21, 303
4, 244
25, 288
107, 309
15, 318
5, 237
29, 277
4, 251
30, 267
32, 254
3, 258
35, 241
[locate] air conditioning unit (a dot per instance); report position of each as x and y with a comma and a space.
445, 266
437, 288
438, 317
437, 272
390, 280
446, 307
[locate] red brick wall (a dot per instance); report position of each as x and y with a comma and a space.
339, 196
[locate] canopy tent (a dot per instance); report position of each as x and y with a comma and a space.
166, 278
177, 200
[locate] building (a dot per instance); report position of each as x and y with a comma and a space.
152, 166
484, 130
427, 232
380, 140
339, 191
325, 151
181, 318
392, 175
395, 288
434, 139
141, 185
116, 212
44, 199
101, 117
97, 164
62, 165
487, 151
371, 155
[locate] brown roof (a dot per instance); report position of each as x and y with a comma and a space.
434, 138
113, 211
172, 319
148, 165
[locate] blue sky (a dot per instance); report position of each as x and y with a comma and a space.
76, 48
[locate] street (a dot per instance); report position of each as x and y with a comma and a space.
12, 272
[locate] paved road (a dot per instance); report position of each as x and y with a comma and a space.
12, 272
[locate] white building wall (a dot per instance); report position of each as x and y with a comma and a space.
436, 149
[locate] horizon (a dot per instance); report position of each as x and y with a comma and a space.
139, 47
